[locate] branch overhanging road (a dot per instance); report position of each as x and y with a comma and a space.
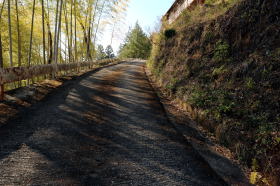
107, 128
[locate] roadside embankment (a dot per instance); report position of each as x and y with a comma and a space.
222, 63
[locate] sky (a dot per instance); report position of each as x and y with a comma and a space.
146, 12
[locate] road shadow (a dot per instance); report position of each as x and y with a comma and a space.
105, 128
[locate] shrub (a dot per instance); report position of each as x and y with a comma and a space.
169, 33
172, 84
209, 36
219, 70
222, 52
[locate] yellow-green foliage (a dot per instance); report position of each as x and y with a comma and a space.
219, 70
222, 51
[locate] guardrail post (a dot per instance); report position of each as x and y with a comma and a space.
1, 92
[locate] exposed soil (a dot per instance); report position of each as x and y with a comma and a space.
105, 128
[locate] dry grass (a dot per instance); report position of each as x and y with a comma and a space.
210, 11
230, 82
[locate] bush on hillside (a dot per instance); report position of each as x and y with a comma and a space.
169, 33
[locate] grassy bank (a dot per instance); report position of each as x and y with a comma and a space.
223, 60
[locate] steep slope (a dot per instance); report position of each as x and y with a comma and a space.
227, 69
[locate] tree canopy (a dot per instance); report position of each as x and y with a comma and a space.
54, 31
109, 52
100, 53
136, 44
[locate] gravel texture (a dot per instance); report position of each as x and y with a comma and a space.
105, 128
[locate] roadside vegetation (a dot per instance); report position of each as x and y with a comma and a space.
55, 31
222, 59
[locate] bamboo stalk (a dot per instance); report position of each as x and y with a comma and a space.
67, 32
1, 55
44, 36
10, 33
18, 34
71, 30
75, 14
56, 30
98, 22
31, 35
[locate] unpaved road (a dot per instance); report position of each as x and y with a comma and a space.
107, 128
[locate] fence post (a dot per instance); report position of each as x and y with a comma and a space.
1, 92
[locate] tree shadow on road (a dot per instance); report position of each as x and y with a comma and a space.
105, 130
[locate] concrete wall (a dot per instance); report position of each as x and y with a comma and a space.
178, 7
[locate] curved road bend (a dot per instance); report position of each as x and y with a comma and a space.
107, 128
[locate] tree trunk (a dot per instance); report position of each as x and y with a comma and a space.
43, 28
71, 30
10, 33
1, 66
85, 34
58, 31
50, 41
31, 35
91, 19
18, 34
98, 23
50, 44
1, 55
67, 32
75, 14
55, 32
1, 49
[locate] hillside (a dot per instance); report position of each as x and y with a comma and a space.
223, 61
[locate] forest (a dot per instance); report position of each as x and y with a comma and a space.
37, 32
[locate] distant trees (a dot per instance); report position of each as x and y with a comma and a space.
109, 52
104, 54
136, 44
100, 53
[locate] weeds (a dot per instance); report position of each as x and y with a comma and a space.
172, 84
219, 101
209, 36
203, 13
250, 83
236, 94
222, 51
219, 71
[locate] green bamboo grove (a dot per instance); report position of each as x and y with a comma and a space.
35, 32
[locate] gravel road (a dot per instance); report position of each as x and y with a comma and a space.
105, 128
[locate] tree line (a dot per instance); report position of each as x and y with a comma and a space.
55, 31
137, 44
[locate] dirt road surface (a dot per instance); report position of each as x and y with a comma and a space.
106, 128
